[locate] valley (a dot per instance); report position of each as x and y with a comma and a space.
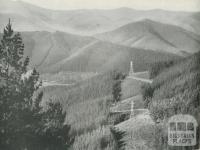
118, 74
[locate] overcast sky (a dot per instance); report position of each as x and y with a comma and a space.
177, 5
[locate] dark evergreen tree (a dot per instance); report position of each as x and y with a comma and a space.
118, 138
116, 88
147, 93
24, 124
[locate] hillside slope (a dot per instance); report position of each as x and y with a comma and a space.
58, 51
147, 34
181, 79
45, 48
102, 56
176, 90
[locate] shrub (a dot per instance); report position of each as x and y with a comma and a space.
147, 93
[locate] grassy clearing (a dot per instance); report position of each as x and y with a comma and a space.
140, 132
67, 77
126, 104
130, 88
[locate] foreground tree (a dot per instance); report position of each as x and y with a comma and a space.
24, 124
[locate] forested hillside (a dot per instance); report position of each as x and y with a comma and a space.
175, 90
87, 105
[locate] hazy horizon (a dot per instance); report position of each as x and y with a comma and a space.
168, 5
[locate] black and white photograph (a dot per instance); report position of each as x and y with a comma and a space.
99, 74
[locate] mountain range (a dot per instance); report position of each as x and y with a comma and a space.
59, 51
101, 40
27, 17
148, 34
